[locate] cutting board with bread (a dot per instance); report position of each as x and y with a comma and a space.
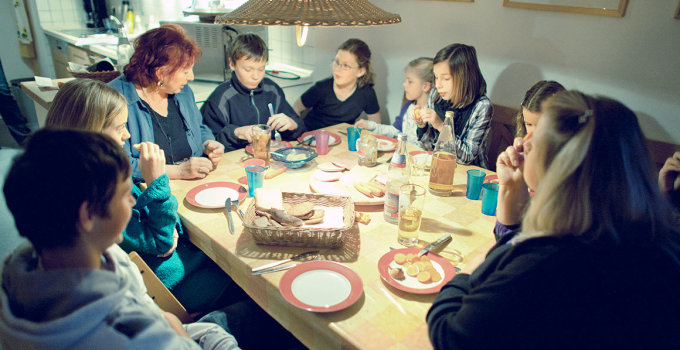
365, 185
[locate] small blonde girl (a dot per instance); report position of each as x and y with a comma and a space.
417, 85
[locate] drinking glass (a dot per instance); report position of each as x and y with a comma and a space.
418, 164
411, 202
489, 198
261, 142
321, 137
475, 178
352, 136
367, 150
255, 175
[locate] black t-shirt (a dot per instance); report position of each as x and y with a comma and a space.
327, 110
170, 135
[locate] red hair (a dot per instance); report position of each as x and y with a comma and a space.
167, 47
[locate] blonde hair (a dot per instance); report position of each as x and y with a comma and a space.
596, 177
85, 104
422, 67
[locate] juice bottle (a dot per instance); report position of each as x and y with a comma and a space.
444, 160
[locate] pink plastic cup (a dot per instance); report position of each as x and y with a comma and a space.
321, 137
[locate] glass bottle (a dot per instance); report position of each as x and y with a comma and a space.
124, 50
444, 160
398, 174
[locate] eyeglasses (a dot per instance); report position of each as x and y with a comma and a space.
343, 66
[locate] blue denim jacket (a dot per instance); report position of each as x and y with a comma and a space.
141, 129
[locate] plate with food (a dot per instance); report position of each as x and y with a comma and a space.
405, 270
308, 139
365, 185
274, 145
386, 144
321, 286
212, 195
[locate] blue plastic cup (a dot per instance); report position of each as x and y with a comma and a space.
255, 175
475, 178
353, 134
489, 198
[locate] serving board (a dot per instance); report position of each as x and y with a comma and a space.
346, 184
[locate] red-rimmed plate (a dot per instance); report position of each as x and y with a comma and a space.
411, 284
386, 144
273, 146
333, 138
213, 194
321, 286
491, 178
428, 164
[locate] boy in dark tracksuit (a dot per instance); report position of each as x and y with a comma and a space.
243, 101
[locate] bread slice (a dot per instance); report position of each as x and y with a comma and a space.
267, 199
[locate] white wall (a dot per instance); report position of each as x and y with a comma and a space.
635, 59
15, 67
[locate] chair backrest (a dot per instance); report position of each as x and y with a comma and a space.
160, 294
501, 133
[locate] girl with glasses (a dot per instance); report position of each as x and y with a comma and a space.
342, 97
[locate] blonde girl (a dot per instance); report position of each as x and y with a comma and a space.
154, 229
597, 262
417, 85
461, 88
346, 94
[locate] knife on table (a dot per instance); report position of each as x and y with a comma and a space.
227, 205
442, 239
277, 263
275, 269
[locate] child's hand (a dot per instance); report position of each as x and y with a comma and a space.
362, 124
417, 117
151, 161
510, 165
669, 175
430, 116
244, 133
282, 122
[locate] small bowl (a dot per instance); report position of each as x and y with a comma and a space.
286, 153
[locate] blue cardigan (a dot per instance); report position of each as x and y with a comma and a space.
141, 129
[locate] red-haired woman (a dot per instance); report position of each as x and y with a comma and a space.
161, 105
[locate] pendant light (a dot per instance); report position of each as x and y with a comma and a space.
308, 13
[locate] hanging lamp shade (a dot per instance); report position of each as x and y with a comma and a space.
309, 13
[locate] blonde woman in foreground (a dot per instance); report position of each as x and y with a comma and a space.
596, 264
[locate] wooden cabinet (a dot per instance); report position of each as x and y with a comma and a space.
63, 53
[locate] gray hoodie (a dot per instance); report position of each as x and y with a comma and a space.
89, 309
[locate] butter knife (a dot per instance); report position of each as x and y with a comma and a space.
275, 269
280, 262
227, 205
442, 239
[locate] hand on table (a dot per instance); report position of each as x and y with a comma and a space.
244, 133
151, 161
214, 150
175, 237
362, 124
194, 168
428, 115
282, 122
669, 175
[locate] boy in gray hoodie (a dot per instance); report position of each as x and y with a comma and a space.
73, 287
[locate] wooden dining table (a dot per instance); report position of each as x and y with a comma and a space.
383, 317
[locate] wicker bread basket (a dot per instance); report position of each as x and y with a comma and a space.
105, 76
303, 236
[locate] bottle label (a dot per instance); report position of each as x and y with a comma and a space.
398, 160
392, 204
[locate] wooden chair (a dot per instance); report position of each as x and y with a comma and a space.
501, 133
160, 294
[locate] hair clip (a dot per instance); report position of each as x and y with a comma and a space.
585, 116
